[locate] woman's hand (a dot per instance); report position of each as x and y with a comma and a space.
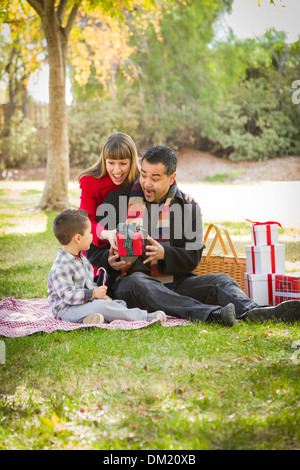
111, 237
189, 198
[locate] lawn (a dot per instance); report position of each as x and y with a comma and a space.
193, 387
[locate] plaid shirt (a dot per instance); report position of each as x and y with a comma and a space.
70, 281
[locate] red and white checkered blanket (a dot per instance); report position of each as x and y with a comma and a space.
21, 317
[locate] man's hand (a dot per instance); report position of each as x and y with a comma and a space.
156, 251
117, 265
100, 293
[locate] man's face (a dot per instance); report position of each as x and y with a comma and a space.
154, 181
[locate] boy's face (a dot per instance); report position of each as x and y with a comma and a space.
154, 181
87, 237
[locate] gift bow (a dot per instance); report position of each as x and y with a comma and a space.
128, 231
269, 222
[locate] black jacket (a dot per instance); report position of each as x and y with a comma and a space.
182, 253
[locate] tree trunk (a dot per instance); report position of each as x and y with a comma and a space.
162, 100
24, 96
55, 194
12, 89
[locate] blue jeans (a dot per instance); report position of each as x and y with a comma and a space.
193, 298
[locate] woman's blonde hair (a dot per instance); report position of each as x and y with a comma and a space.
118, 146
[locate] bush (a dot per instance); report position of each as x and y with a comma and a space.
22, 147
253, 125
90, 123
130, 112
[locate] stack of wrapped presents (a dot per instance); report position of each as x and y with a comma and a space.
266, 280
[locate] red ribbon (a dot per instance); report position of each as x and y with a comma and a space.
248, 283
253, 259
270, 289
269, 222
273, 259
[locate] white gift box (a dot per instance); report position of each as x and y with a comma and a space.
265, 259
265, 234
261, 288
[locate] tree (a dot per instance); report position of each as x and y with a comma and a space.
57, 20
176, 64
22, 49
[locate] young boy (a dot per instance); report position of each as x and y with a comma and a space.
73, 294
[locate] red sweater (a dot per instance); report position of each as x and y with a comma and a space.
93, 192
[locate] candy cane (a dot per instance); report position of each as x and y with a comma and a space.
104, 277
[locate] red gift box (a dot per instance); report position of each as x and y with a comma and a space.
287, 287
137, 244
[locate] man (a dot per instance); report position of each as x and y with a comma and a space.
162, 278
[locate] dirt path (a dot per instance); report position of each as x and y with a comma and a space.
196, 166
267, 190
235, 202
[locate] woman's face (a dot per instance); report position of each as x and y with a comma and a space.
118, 170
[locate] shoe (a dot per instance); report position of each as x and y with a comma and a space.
288, 311
224, 315
95, 318
158, 315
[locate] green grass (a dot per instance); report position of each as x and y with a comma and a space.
195, 387
224, 177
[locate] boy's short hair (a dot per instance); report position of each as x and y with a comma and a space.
164, 155
68, 223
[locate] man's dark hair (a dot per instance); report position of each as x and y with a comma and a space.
68, 223
164, 155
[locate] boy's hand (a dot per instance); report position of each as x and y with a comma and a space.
100, 293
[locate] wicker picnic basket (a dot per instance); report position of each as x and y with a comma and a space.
234, 266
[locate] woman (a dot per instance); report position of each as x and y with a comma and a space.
117, 168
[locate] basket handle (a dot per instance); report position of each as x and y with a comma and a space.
219, 236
